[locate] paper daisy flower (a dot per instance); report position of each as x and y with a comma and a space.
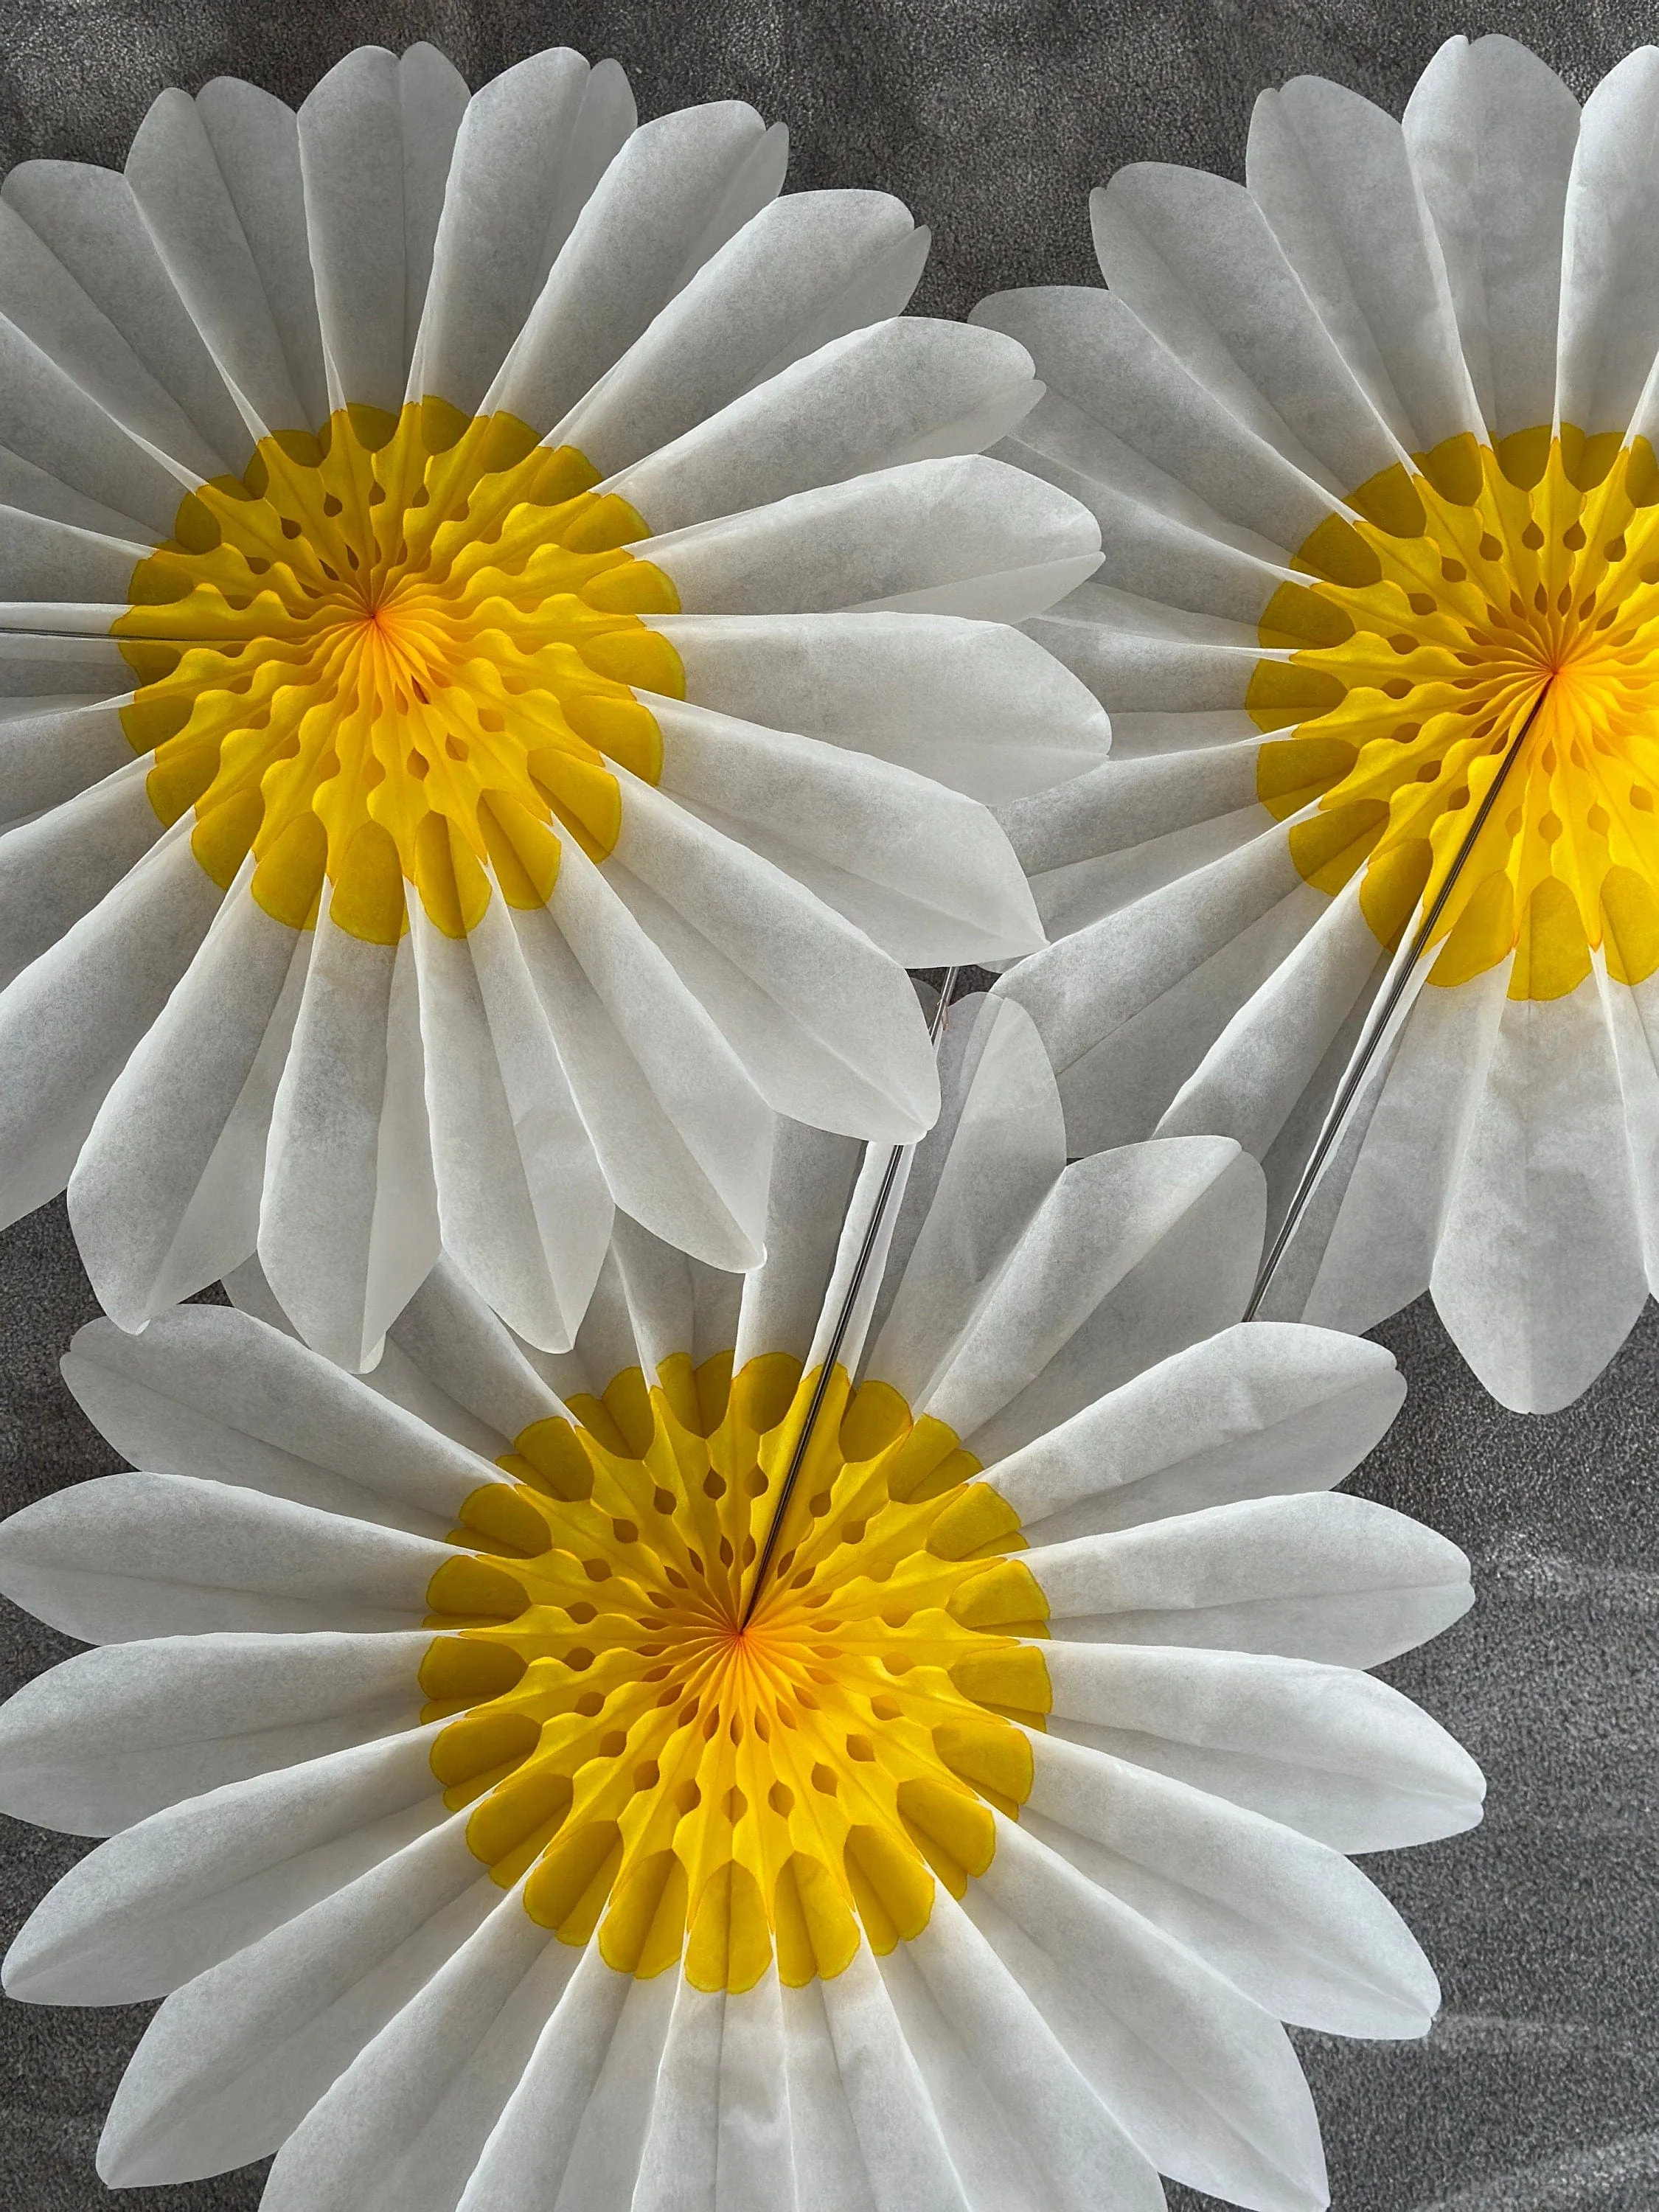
497, 684
502, 1843
1379, 632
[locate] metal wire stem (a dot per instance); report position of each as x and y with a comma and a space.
837, 1335
1348, 1090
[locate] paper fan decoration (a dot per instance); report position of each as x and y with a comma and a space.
1371, 441
491, 1860
500, 637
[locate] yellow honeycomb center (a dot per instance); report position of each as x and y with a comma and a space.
1466, 592
397, 653
692, 1784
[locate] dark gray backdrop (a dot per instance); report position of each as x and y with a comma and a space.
1538, 2089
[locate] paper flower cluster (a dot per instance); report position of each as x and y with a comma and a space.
489, 1860
744, 1612
1370, 441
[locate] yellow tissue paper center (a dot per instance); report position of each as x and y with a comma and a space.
1430, 626
397, 653
692, 1787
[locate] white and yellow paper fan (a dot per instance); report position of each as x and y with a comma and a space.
1370, 438
497, 1842
503, 658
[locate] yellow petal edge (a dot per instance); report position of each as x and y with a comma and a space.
1460, 591
696, 1788
396, 653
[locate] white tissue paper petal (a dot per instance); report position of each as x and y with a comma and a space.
488, 1852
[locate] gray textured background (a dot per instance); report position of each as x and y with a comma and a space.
1539, 2090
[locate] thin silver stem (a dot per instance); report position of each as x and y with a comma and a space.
838, 1334
1381, 1015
